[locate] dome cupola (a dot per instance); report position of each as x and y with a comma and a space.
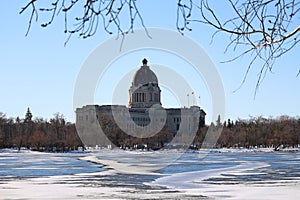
144, 91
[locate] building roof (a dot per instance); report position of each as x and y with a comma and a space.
144, 75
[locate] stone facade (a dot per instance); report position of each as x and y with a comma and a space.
143, 117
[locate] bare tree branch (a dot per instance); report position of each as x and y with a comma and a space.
33, 12
263, 29
106, 12
268, 25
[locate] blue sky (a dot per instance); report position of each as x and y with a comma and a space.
37, 71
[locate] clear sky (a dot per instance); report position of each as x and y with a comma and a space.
37, 71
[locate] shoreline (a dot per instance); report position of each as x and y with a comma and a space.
203, 150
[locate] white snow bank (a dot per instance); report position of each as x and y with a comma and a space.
126, 168
193, 183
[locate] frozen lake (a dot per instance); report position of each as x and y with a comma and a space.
171, 174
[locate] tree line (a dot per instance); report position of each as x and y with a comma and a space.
119, 138
58, 135
38, 134
280, 132
261, 132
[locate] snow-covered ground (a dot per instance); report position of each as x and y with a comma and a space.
169, 174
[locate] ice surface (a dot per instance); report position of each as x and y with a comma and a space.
256, 175
115, 174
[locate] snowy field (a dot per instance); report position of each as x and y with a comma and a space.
170, 174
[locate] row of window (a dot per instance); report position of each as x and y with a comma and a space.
135, 119
81, 118
141, 119
141, 97
177, 119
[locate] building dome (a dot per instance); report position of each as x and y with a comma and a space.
144, 91
144, 75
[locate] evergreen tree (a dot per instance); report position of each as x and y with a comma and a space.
218, 122
28, 116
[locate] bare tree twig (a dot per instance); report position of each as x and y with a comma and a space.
263, 29
106, 12
267, 27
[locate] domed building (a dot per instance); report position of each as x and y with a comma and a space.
144, 91
144, 114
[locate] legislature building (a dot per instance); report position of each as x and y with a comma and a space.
100, 125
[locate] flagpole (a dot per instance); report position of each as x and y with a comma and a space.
193, 96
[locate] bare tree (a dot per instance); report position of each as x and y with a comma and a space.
264, 29
95, 13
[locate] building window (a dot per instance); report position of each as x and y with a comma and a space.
155, 97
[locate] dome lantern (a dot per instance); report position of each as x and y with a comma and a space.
144, 61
